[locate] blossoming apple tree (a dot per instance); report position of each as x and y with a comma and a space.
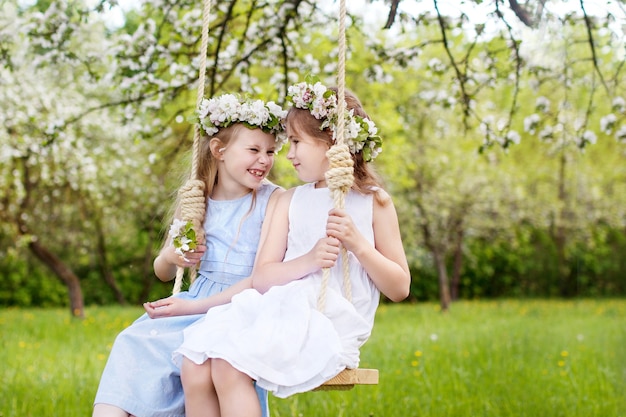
94, 117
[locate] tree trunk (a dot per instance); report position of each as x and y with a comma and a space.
567, 287
457, 267
62, 271
444, 286
65, 274
105, 268
440, 262
147, 273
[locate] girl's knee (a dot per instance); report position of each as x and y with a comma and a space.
196, 377
224, 374
235, 390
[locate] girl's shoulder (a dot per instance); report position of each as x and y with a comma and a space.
268, 194
383, 207
286, 195
268, 187
382, 196
285, 198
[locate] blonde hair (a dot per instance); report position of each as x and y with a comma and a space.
207, 164
208, 171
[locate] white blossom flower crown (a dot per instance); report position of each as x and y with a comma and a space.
361, 134
227, 109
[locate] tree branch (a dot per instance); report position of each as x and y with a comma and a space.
465, 97
594, 58
393, 10
521, 14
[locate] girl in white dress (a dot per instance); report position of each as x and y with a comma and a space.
274, 333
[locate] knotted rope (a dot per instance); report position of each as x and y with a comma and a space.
191, 195
340, 174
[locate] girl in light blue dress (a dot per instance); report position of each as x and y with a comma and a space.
140, 378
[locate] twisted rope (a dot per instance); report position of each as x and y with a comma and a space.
191, 194
340, 174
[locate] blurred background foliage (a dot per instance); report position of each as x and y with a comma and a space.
504, 139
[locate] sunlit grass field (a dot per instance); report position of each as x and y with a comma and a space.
483, 358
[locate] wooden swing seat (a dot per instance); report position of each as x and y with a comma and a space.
348, 378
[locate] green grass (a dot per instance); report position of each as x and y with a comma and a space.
500, 358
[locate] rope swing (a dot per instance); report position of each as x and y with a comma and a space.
339, 179
191, 195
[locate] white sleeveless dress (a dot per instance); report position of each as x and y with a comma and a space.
279, 338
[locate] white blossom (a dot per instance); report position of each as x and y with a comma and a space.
607, 123
542, 104
531, 122
513, 137
619, 104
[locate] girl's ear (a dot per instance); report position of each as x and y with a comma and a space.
217, 148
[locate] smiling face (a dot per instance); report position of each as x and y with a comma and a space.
308, 156
307, 146
243, 163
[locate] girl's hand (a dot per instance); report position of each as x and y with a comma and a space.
165, 264
325, 252
187, 260
340, 225
169, 307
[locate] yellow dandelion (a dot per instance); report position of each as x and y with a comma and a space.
101, 357
22, 344
414, 363
564, 354
561, 363
418, 353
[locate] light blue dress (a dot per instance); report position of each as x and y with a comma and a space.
140, 376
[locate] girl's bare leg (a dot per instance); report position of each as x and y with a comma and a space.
108, 410
200, 396
237, 396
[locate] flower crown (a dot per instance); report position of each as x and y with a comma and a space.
360, 133
227, 109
